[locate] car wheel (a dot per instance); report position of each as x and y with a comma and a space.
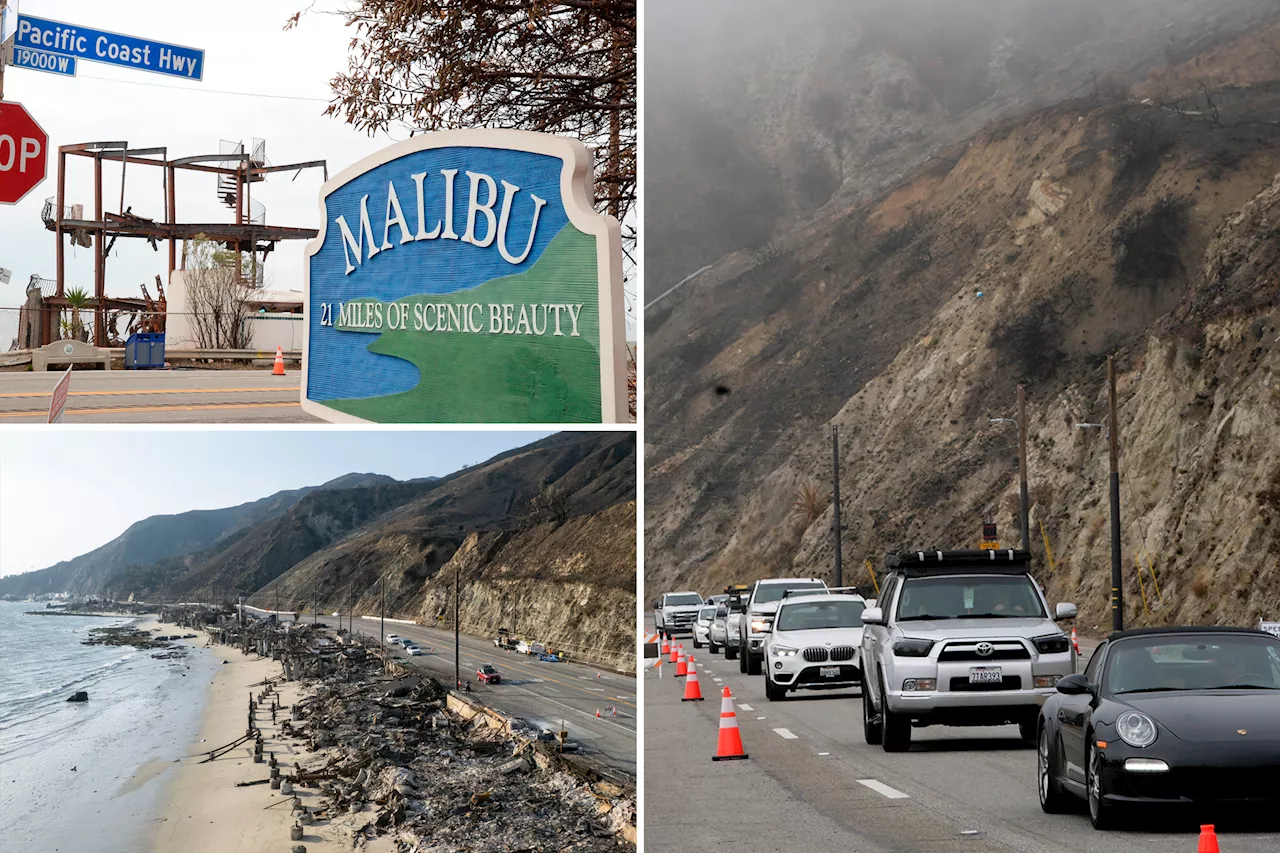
1027, 729
713, 648
1053, 800
755, 665
895, 729
742, 659
730, 652
870, 720
696, 644
1101, 813
771, 691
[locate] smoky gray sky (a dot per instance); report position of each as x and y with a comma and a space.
259, 81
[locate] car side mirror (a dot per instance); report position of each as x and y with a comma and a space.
873, 616
657, 605
1074, 685
1066, 610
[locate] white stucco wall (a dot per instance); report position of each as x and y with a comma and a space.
268, 330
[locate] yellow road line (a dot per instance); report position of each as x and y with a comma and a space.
144, 392
126, 409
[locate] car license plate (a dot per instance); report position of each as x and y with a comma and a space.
829, 671
985, 675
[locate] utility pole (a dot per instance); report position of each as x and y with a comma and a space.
457, 653
382, 624
1113, 430
1022, 468
315, 602
835, 523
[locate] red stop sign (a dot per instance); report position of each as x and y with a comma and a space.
24, 153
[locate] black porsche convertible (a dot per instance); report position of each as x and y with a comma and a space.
1174, 716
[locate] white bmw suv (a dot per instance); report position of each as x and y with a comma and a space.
815, 643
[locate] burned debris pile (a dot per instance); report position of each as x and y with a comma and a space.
393, 753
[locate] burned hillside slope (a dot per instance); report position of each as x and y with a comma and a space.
1126, 225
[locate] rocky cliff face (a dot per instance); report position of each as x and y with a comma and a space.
1025, 254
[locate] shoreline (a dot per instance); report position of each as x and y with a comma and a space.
202, 810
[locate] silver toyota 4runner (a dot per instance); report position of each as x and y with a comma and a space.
959, 638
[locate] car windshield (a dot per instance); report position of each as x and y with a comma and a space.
812, 615
487, 670
969, 597
1193, 662
706, 613
682, 598
773, 591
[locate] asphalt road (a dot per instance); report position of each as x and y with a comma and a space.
812, 783
157, 396
544, 694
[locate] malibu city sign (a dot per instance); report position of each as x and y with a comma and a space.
463, 277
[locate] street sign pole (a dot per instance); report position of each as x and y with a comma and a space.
5, 12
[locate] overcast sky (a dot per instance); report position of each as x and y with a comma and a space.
246, 51
64, 494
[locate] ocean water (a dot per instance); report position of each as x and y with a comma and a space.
143, 714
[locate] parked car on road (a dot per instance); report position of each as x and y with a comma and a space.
413, 650
815, 644
488, 675
392, 639
959, 638
1165, 716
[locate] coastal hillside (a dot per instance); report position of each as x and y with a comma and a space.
544, 538
107, 570
1138, 220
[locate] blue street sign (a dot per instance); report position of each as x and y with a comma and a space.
42, 60
111, 48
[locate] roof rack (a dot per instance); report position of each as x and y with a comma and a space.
786, 593
949, 562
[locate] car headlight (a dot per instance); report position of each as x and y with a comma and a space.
782, 651
1136, 729
758, 625
912, 648
1055, 644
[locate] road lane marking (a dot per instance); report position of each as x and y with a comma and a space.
824, 753
719, 681
744, 706
148, 391
759, 718
883, 789
785, 734
127, 409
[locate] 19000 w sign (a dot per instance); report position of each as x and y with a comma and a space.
463, 277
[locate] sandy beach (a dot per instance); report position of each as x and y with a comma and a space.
203, 811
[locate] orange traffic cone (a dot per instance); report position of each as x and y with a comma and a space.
278, 370
597, 712
1208, 840
682, 665
729, 747
666, 647
674, 657
692, 692
1075, 642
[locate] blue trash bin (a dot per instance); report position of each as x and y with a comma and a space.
144, 350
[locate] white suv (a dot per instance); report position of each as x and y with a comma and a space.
815, 643
959, 638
